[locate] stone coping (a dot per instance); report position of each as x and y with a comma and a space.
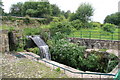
95, 39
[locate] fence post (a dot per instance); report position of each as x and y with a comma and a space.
81, 34
89, 34
112, 36
100, 35
73, 35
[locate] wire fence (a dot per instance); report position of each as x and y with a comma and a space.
96, 35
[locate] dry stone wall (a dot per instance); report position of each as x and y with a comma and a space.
97, 44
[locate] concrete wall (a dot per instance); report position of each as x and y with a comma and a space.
4, 43
96, 44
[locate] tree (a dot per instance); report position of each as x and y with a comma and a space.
83, 13
16, 9
32, 5
1, 9
31, 12
113, 18
44, 9
55, 10
67, 14
37, 9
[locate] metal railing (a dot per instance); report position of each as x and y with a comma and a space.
96, 35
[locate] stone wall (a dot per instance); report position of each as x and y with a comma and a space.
96, 44
4, 43
9, 40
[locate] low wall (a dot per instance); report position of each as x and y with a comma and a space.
96, 44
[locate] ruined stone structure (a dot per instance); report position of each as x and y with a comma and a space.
4, 43
97, 44
9, 40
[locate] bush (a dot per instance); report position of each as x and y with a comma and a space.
77, 24
73, 55
61, 27
27, 20
109, 27
96, 24
32, 31
67, 53
34, 50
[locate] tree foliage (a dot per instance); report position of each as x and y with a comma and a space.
55, 10
1, 9
61, 27
109, 27
113, 18
35, 9
83, 13
16, 9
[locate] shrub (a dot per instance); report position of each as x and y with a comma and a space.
26, 20
67, 53
32, 31
96, 24
73, 55
77, 24
61, 27
109, 27
34, 50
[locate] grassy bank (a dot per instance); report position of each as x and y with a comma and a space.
95, 33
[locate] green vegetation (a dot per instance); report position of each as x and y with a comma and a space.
56, 25
96, 33
73, 55
83, 13
34, 9
35, 50
4, 27
32, 31
109, 27
113, 19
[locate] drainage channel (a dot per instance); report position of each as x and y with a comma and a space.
37, 58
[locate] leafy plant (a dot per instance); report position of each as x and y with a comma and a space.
77, 24
73, 55
61, 27
34, 50
109, 27
65, 52
32, 31
57, 69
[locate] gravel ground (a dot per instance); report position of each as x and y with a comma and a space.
13, 67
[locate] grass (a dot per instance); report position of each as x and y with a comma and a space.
95, 33
5, 27
25, 68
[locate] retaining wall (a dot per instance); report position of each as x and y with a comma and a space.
96, 44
